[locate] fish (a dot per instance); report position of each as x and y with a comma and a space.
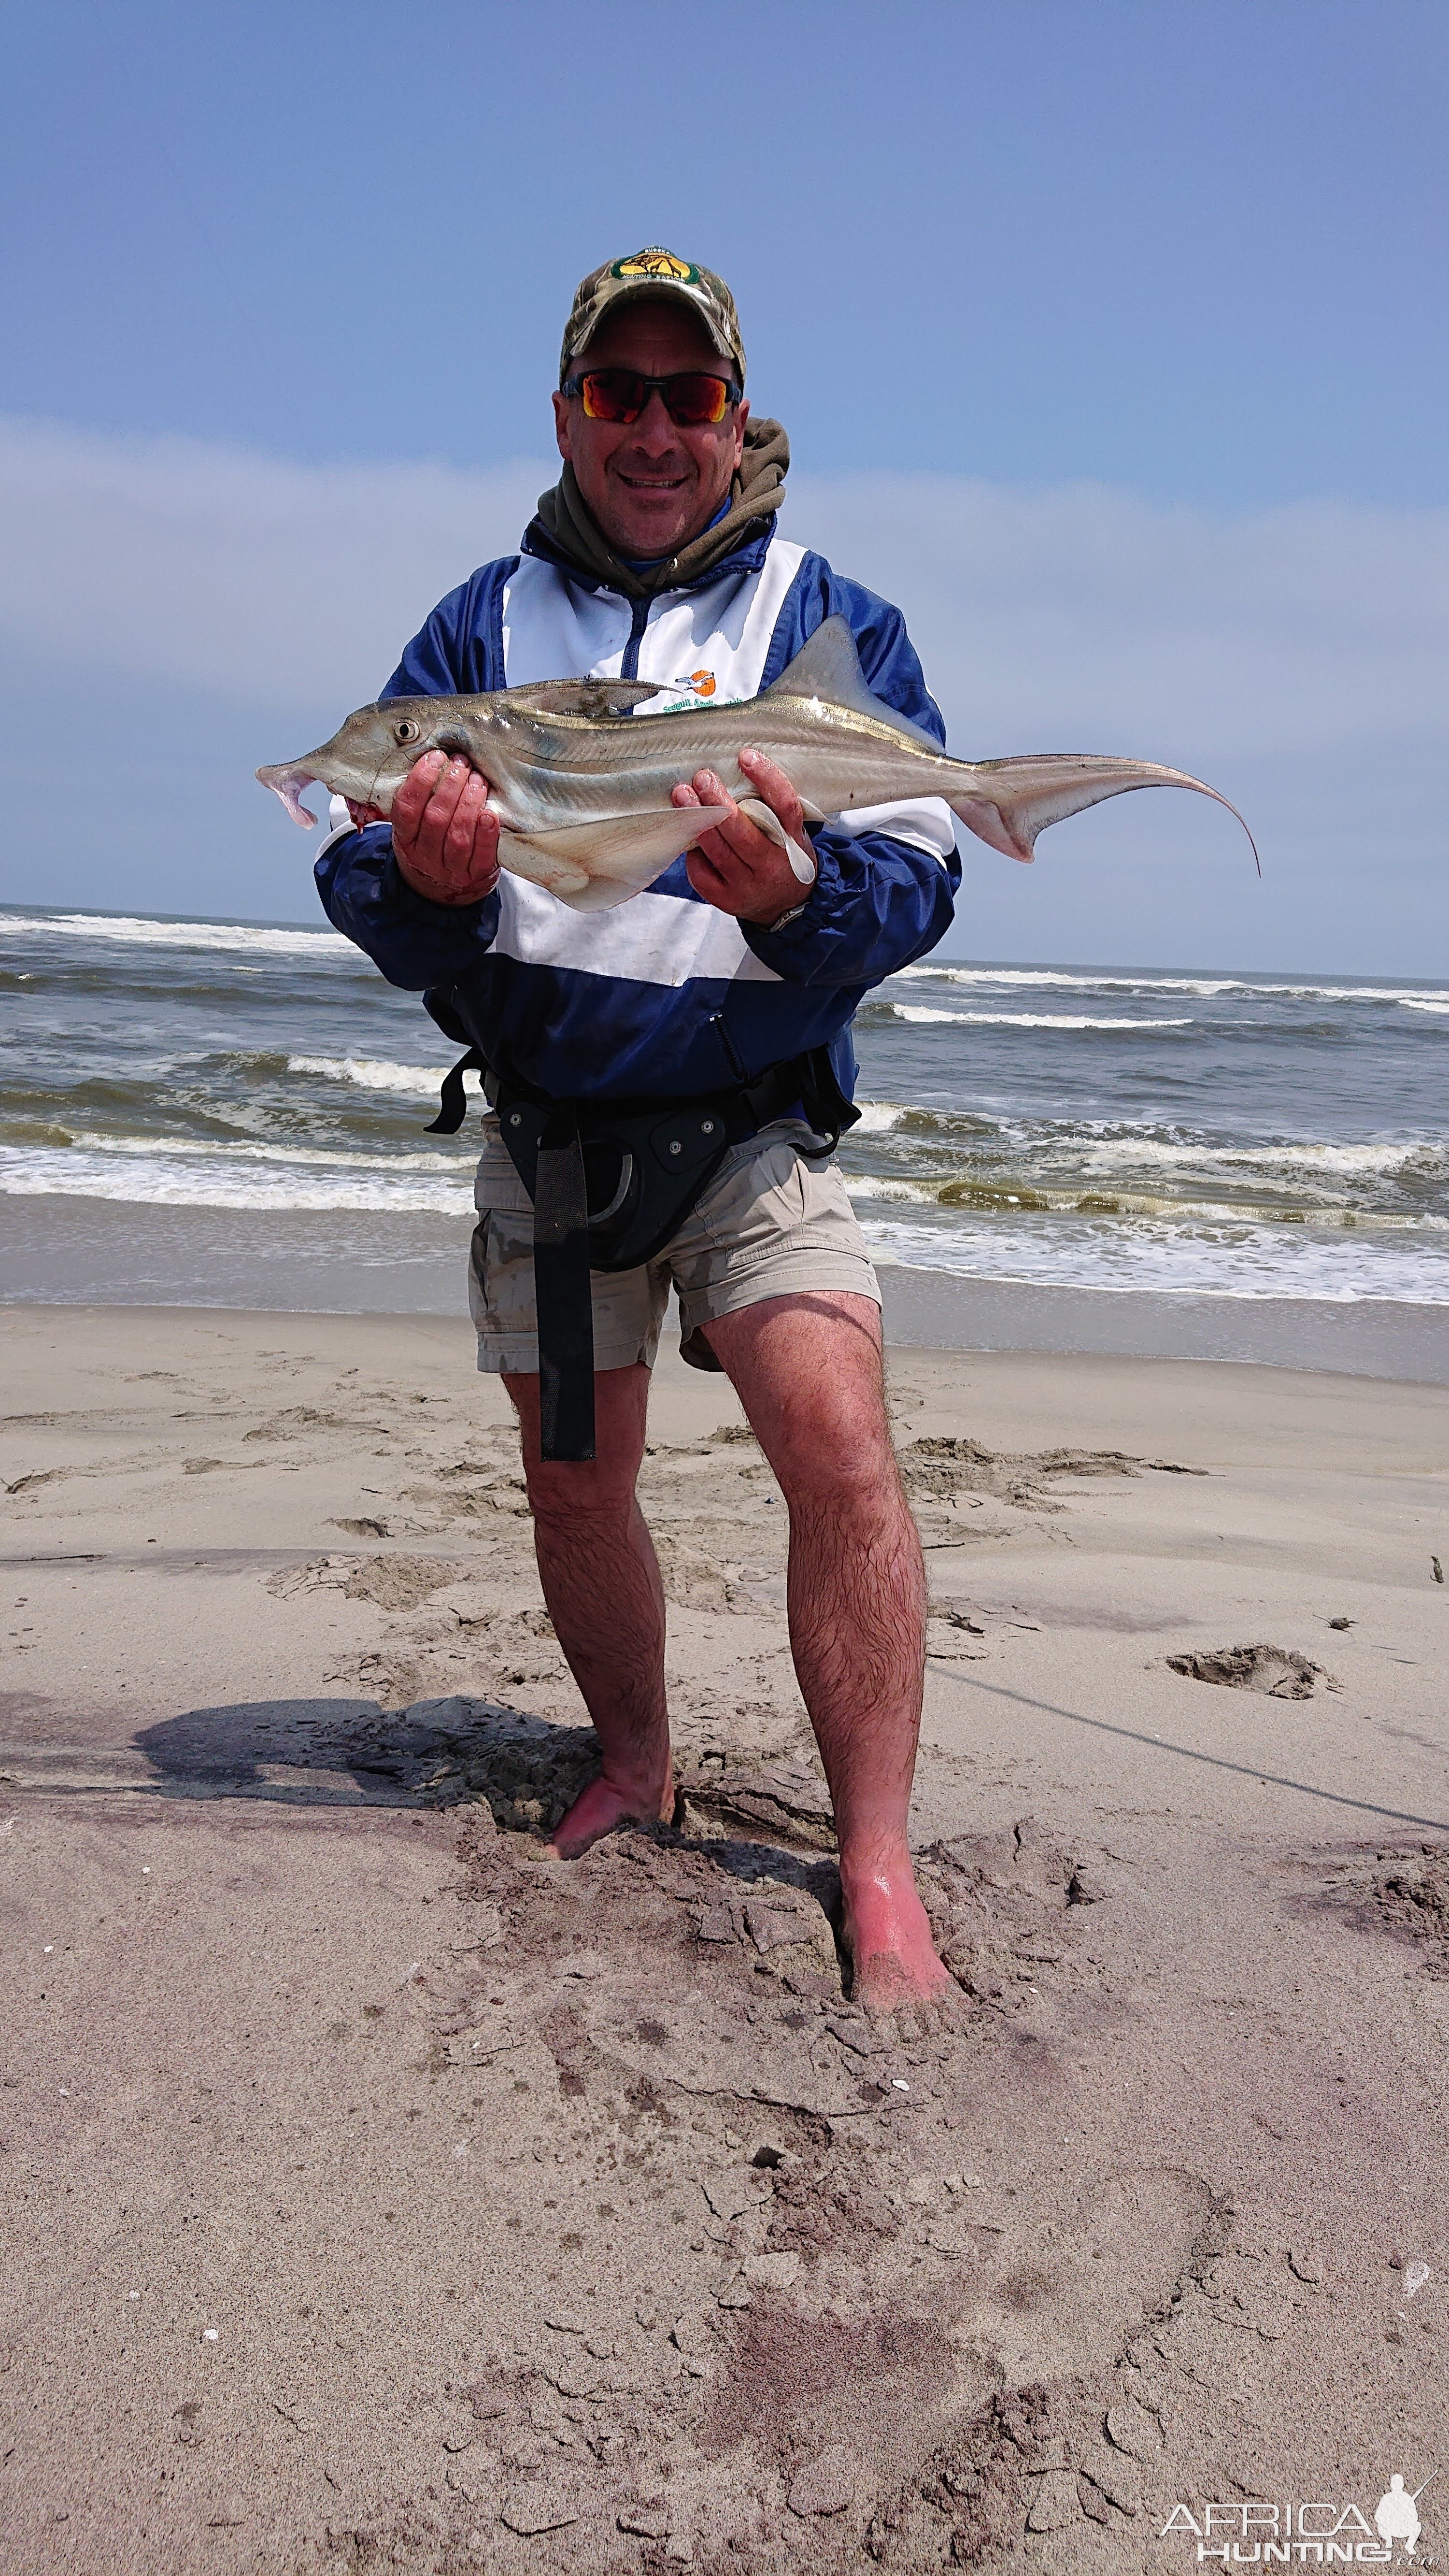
580, 780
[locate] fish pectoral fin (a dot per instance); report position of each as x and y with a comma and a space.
1009, 801
593, 865
802, 861
592, 699
528, 855
828, 667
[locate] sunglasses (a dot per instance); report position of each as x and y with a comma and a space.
618, 394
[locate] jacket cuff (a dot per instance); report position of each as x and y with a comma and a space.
403, 901
340, 826
777, 943
407, 904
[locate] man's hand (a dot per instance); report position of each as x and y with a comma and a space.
444, 832
737, 867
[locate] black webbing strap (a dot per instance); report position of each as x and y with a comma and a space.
563, 1294
454, 1107
643, 1134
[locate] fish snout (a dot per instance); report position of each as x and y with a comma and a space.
287, 780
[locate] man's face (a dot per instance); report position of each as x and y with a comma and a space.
651, 486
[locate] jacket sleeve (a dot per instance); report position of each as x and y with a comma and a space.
884, 895
412, 942
876, 905
458, 652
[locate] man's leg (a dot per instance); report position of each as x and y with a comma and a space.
601, 1582
809, 1374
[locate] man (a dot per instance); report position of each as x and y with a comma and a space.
656, 558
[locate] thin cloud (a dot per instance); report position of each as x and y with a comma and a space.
1297, 657
266, 581
1088, 619
1041, 616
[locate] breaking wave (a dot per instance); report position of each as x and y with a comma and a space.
135, 930
924, 1016
1237, 1135
1250, 1261
1201, 987
372, 1073
149, 1173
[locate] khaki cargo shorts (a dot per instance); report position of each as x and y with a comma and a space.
769, 1225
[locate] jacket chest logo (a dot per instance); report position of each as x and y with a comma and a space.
676, 697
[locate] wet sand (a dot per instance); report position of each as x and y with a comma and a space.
381, 2193
77, 1252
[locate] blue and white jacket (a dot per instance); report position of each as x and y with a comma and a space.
663, 997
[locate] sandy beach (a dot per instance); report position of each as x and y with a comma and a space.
383, 2194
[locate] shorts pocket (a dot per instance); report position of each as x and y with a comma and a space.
500, 1274
739, 1223
496, 1184
478, 1276
764, 1198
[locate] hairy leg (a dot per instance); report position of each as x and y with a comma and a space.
601, 1582
809, 1374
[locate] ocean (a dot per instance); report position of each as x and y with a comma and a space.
231, 1113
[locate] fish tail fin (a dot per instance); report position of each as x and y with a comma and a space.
1008, 802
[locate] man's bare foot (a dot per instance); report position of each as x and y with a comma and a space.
605, 1804
893, 1957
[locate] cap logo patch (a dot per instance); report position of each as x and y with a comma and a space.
657, 263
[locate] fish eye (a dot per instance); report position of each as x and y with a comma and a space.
408, 731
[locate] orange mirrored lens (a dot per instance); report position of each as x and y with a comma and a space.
692, 401
696, 402
610, 394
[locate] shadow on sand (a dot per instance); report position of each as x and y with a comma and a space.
351, 1753
445, 1752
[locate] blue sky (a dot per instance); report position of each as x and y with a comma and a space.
1109, 337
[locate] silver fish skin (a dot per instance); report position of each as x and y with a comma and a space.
581, 783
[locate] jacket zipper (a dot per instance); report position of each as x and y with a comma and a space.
629, 670
732, 1053
639, 619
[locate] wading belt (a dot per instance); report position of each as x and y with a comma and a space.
611, 1183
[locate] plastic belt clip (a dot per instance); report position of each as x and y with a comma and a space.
563, 1293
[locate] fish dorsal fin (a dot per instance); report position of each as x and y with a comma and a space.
828, 667
593, 699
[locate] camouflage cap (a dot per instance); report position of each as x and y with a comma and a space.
654, 272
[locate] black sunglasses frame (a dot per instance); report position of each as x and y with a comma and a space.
573, 387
